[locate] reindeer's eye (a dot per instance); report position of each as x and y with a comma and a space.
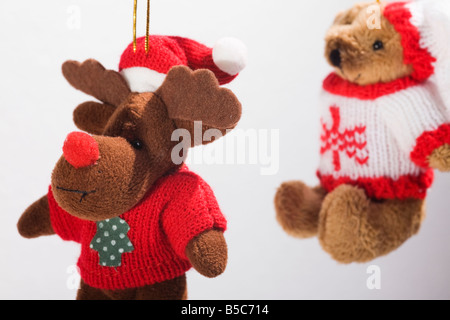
137, 144
378, 45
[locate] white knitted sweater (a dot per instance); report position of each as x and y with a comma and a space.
379, 139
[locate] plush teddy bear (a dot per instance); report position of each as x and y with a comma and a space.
385, 125
142, 218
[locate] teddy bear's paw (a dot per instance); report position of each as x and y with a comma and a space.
297, 207
440, 158
354, 228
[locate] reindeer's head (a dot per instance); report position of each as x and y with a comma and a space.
104, 175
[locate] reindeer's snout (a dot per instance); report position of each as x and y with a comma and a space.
81, 150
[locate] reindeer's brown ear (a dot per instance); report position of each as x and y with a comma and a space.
93, 79
92, 117
196, 96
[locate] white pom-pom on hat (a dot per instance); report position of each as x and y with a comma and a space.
432, 18
230, 55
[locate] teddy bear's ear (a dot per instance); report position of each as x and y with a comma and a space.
92, 117
348, 16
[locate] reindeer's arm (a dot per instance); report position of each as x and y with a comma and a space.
35, 221
194, 224
208, 253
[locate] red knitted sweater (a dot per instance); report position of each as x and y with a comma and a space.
177, 209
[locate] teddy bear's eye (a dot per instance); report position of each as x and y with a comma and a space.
378, 45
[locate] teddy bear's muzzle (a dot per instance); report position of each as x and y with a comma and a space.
335, 58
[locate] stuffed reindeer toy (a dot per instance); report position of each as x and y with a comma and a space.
141, 218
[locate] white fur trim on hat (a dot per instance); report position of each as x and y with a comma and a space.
230, 55
141, 79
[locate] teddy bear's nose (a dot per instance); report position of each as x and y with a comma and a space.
335, 58
81, 150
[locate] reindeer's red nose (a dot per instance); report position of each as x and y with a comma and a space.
81, 150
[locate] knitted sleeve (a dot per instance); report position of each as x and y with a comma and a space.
192, 210
418, 121
65, 225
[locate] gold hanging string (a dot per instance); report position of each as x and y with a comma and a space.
147, 31
134, 26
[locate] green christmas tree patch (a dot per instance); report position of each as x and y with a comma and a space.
111, 241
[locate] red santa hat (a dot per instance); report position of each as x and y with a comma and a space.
424, 26
145, 72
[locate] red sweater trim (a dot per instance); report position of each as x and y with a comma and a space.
382, 188
178, 208
427, 143
336, 85
422, 61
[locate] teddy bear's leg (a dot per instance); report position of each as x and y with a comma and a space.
297, 207
353, 228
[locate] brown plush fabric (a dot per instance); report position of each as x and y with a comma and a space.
352, 228
92, 117
124, 173
208, 253
297, 207
360, 64
175, 289
35, 221
93, 79
440, 158
197, 96
199, 139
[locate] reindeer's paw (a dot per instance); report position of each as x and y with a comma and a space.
208, 253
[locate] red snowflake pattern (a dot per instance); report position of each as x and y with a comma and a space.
347, 142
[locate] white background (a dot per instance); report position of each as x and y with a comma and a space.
279, 90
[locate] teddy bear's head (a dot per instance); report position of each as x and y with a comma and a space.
362, 54
134, 140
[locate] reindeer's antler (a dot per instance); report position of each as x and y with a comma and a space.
93, 79
197, 96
